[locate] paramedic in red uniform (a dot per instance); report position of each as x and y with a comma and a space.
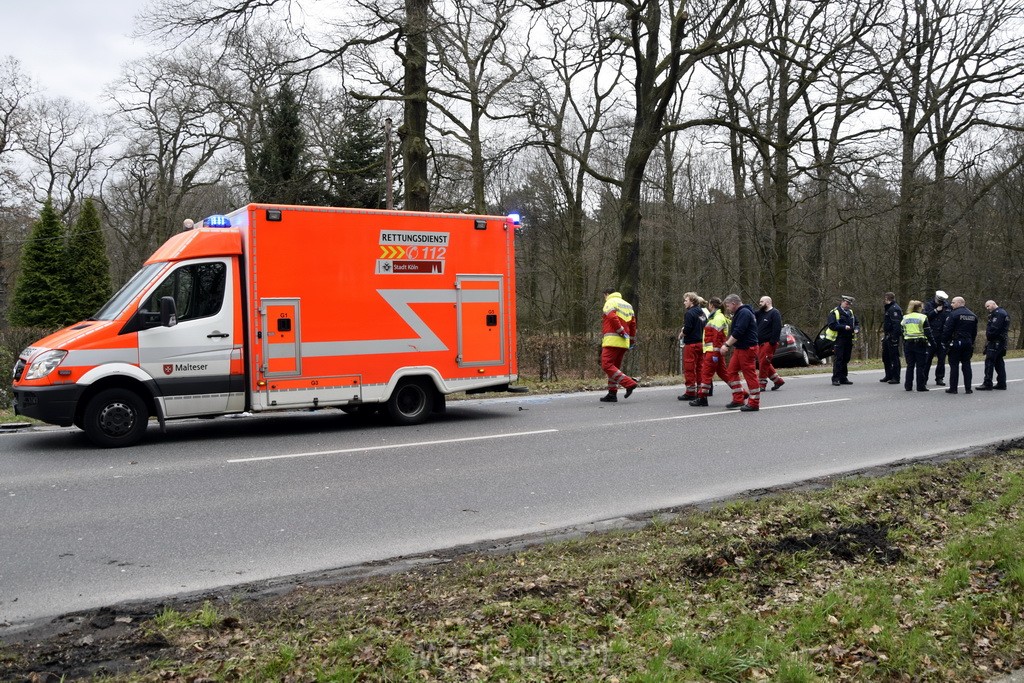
692, 337
715, 334
743, 342
618, 330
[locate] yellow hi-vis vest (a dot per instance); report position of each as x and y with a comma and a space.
831, 334
624, 310
718, 321
913, 326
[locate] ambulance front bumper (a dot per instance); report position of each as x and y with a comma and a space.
54, 405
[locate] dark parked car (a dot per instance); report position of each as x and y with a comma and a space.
797, 349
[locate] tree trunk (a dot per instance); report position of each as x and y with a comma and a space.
628, 261
906, 237
414, 130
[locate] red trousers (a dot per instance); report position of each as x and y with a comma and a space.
693, 357
744, 361
611, 359
765, 370
714, 363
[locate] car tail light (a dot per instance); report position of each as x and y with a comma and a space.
790, 339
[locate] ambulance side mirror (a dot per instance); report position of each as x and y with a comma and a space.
168, 312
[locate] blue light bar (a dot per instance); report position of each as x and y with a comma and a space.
514, 217
217, 221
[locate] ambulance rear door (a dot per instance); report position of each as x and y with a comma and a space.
480, 319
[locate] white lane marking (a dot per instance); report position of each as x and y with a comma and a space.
361, 449
729, 412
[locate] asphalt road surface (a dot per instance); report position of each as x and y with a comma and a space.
212, 503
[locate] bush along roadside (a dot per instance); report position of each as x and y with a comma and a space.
918, 575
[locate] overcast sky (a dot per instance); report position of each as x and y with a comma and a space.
71, 48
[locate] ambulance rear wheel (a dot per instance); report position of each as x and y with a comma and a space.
114, 418
411, 403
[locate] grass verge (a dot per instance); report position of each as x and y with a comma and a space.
918, 575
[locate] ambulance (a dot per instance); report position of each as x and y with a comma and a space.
275, 307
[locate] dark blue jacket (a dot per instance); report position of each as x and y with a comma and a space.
744, 327
769, 326
693, 325
997, 332
937, 312
961, 328
891, 326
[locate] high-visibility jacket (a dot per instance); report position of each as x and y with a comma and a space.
915, 327
619, 324
838, 319
716, 331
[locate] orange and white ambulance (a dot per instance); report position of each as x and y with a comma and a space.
285, 307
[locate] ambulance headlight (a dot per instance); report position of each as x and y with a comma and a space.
45, 364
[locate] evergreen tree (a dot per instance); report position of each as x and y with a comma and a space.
88, 265
41, 297
356, 174
282, 171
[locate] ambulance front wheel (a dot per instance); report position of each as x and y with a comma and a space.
411, 403
115, 418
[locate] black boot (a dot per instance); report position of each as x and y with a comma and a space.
699, 402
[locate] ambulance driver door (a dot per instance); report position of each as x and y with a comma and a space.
191, 361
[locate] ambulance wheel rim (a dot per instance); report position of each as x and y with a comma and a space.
411, 400
117, 419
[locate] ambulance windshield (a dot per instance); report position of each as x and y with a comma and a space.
127, 294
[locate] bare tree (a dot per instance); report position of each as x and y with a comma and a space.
176, 137
778, 94
664, 43
67, 147
406, 25
15, 90
568, 108
949, 68
482, 59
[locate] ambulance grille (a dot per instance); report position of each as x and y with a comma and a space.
19, 368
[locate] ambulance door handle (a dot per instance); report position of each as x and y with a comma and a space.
217, 335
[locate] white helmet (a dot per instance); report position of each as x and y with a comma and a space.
940, 295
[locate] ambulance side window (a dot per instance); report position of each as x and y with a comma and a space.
197, 289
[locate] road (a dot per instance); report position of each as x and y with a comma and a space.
219, 502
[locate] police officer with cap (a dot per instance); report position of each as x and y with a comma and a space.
842, 326
937, 310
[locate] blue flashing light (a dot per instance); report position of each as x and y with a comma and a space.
217, 221
514, 217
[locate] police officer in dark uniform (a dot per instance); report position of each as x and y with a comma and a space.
937, 310
958, 337
997, 336
892, 331
842, 326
